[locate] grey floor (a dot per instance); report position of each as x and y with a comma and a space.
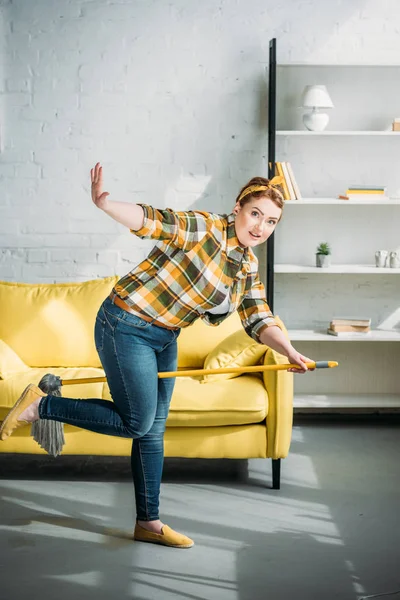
332, 531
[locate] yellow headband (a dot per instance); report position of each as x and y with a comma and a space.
278, 180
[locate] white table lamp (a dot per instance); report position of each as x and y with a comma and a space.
316, 97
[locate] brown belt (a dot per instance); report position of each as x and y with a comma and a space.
118, 302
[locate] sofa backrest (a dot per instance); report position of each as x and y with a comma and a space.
52, 324
196, 341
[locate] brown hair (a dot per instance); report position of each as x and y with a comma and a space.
273, 192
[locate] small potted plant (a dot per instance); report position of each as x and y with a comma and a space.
323, 255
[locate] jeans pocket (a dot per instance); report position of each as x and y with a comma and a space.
120, 317
136, 322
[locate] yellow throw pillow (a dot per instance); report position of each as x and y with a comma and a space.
10, 362
237, 350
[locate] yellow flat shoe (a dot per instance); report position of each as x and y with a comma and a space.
168, 537
11, 422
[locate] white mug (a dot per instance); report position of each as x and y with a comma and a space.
380, 258
394, 260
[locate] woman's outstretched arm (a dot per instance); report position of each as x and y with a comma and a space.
130, 215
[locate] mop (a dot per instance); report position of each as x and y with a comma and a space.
50, 434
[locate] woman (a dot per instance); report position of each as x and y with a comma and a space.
202, 265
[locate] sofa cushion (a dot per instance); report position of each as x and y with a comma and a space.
51, 324
237, 350
234, 402
10, 362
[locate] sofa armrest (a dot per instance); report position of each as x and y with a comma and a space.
279, 386
10, 362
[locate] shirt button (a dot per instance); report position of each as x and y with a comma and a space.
226, 286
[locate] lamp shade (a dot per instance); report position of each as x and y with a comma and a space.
316, 96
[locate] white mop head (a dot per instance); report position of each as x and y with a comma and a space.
49, 434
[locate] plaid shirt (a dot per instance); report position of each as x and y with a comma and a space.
196, 262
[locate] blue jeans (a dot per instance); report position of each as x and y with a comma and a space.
132, 352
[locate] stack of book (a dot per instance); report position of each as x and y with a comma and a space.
290, 188
360, 192
349, 326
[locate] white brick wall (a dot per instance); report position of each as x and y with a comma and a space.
169, 95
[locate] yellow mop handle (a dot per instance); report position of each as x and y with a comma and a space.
322, 364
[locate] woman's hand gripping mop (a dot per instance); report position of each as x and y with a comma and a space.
50, 434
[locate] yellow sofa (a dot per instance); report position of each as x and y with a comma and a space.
49, 328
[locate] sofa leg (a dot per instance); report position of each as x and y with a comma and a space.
276, 473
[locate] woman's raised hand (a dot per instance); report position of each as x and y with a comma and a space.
98, 196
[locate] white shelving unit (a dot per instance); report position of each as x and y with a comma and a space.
338, 269
328, 132
338, 65
376, 335
384, 202
350, 403
366, 379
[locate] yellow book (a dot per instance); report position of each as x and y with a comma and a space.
286, 194
294, 182
288, 181
358, 191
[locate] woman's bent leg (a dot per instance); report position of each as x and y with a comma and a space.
130, 365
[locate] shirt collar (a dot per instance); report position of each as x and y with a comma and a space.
233, 247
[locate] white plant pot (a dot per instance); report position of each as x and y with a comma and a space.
323, 260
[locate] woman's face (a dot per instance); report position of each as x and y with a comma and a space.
256, 221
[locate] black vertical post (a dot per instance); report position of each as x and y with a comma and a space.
276, 463
276, 473
271, 162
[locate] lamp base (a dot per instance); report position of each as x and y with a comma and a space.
315, 121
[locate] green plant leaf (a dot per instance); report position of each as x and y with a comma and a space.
323, 248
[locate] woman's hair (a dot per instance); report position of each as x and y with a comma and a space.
273, 192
